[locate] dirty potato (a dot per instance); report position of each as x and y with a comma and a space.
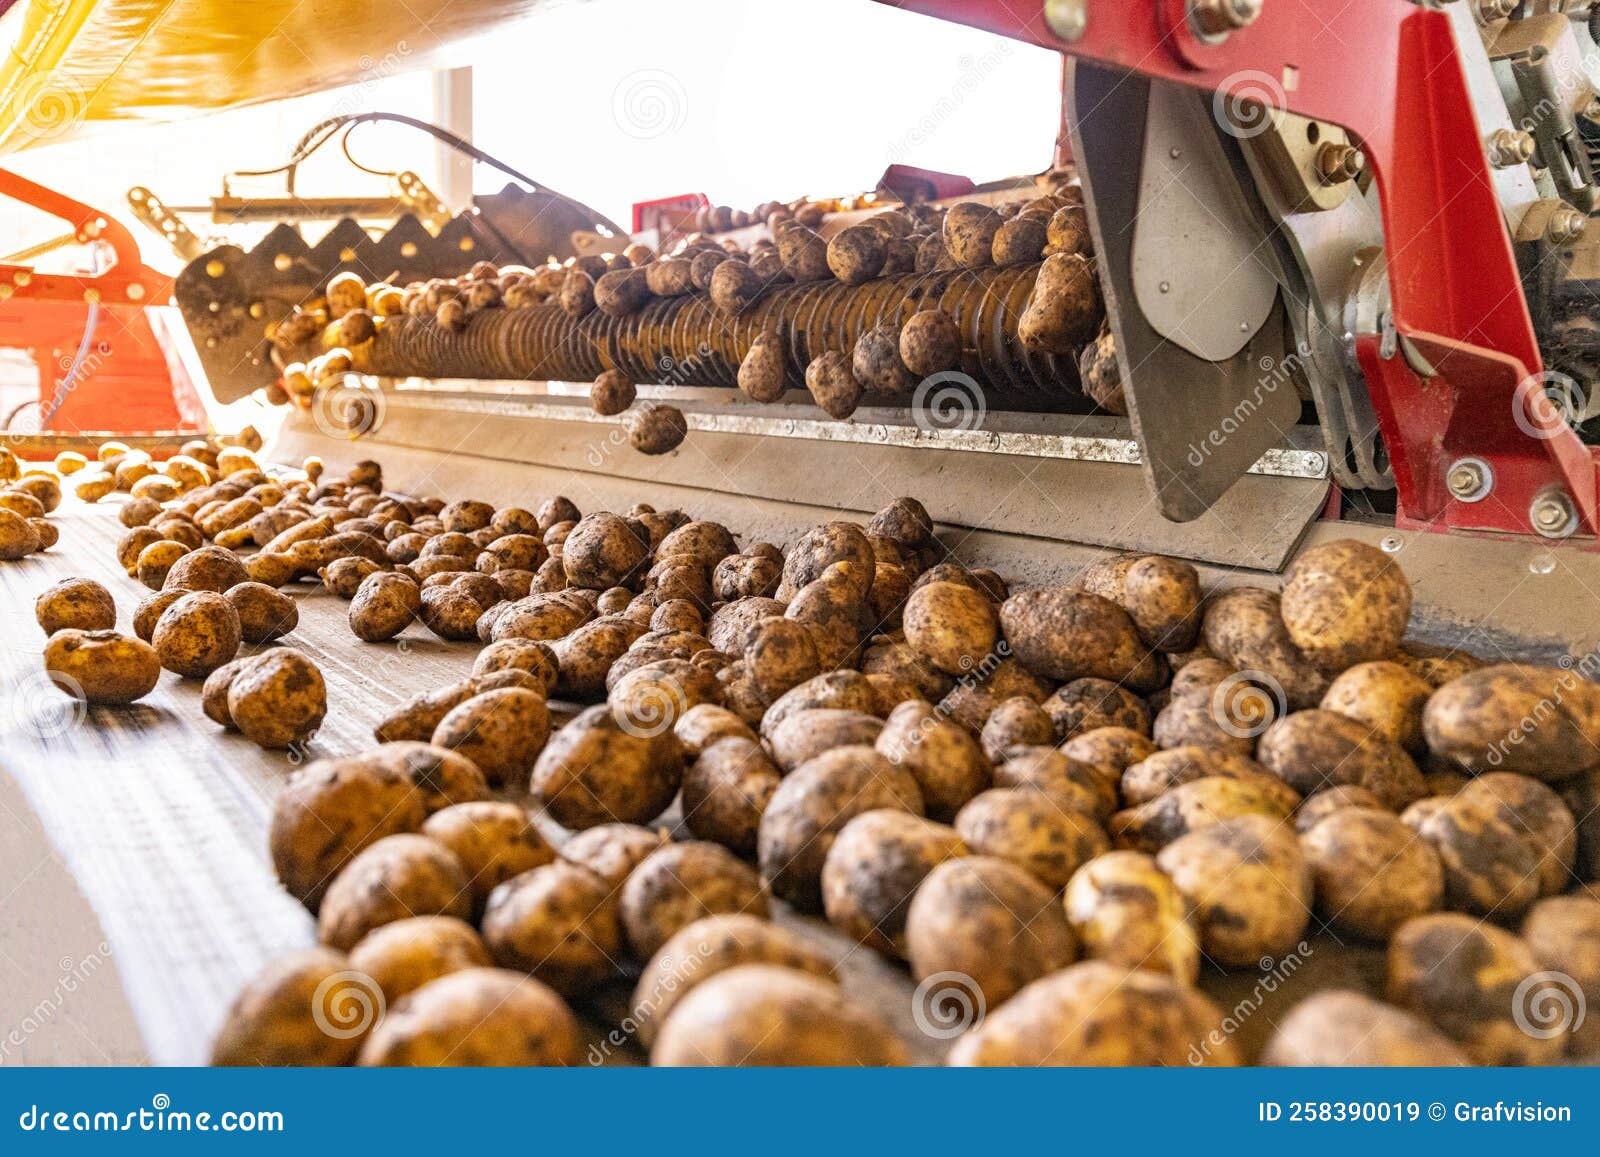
1063, 312
394, 878
1197, 804
612, 851
948, 766
1127, 911
1340, 1028
1370, 872
1248, 884
877, 861
277, 699
197, 634
494, 842
264, 614
281, 1016
477, 1017
1032, 830
680, 883
930, 343
1316, 749
560, 922
1065, 634
102, 667
764, 1015
593, 771
1345, 603
501, 731
1386, 697
1244, 627
401, 957
954, 627
726, 790
1538, 721
1563, 933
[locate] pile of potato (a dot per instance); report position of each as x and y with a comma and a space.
1077, 798
1061, 317
26, 497
207, 603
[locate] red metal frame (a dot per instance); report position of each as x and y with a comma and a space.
1389, 72
130, 379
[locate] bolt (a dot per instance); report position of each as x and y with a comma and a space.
1338, 163
1214, 19
1565, 226
1592, 109
1508, 147
1496, 9
22, 277
1068, 19
1553, 514
1468, 479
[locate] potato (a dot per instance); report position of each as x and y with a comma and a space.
856, 254
391, 879
764, 1015
1386, 697
1019, 241
1112, 750
804, 254
763, 374
92, 487
969, 232
264, 614
156, 561
1149, 827
401, 957
1243, 627
479, 1017
532, 656
1032, 830
930, 343
1226, 718
978, 930
1371, 873
707, 948
577, 294
810, 807
1563, 933
559, 922
210, 568
972, 700
1068, 231
1161, 595
1436, 666
1248, 884
306, 1008
1126, 911
621, 292
948, 766
1064, 310
779, 654
277, 699
1085, 704
1470, 980
343, 577
876, 363
1345, 603
1505, 840
680, 883
1538, 721
197, 634
272, 569
1338, 1028
602, 551
501, 731
701, 726
833, 384
803, 735
877, 861
494, 842
1072, 785
836, 690
548, 615
101, 667
1065, 634
1097, 1013
1164, 770
1312, 750
214, 692
1017, 722
1317, 807
611, 393
726, 790
593, 772
954, 627
585, 656
734, 287
78, 603
513, 552
612, 851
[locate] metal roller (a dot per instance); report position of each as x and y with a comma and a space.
685, 341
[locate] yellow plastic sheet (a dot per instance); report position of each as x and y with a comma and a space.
69, 63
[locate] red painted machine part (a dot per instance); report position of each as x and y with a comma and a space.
129, 378
1389, 74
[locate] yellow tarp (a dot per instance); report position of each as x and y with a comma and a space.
68, 63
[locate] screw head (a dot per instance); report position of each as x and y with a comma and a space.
1470, 479
1565, 226
1508, 147
1067, 19
1552, 514
1212, 20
